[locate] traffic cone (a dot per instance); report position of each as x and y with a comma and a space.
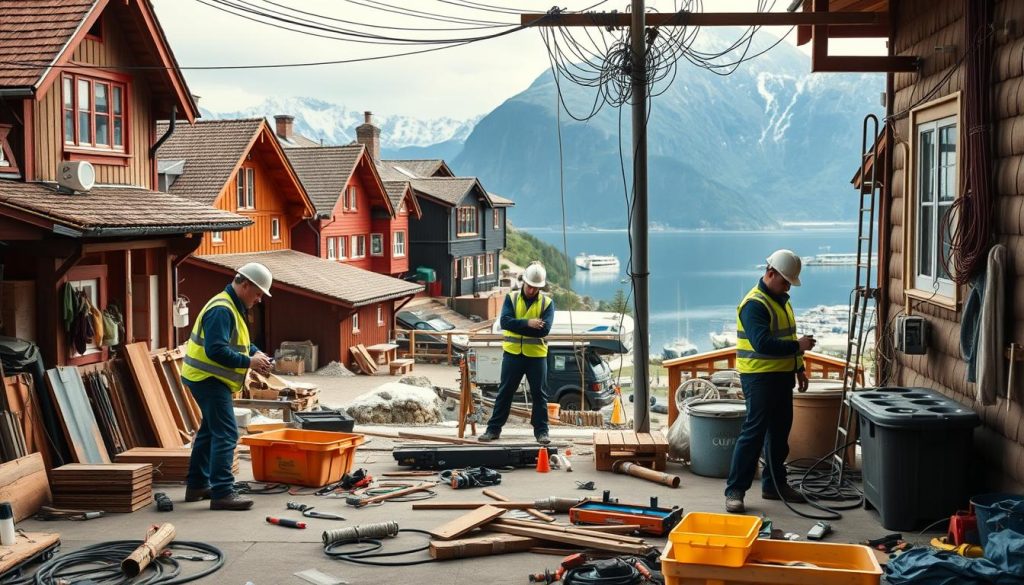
618, 415
543, 460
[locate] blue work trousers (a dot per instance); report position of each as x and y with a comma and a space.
213, 448
513, 368
769, 399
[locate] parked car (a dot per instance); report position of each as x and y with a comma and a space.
434, 344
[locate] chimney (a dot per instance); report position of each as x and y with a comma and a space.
284, 126
369, 136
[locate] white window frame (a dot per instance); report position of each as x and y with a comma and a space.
466, 219
91, 289
497, 215
358, 248
925, 282
275, 229
350, 198
398, 244
332, 249
480, 265
380, 314
467, 267
217, 237
245, 189
355, 322
490, 264
341, 248
401, 208
379, 239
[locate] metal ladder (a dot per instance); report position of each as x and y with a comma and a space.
864, 293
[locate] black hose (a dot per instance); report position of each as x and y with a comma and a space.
364, 555
812, 496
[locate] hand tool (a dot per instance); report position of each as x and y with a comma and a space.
286, 522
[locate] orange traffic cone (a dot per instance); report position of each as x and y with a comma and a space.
618, 414
543, 460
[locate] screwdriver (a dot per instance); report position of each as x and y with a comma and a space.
286, 522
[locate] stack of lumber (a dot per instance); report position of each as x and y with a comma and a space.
112, 487
169, 465
367, 365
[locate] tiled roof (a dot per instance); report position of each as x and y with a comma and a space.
403, 170
324, 171
450, 190
396, 191
34, 33
211, 150
111, 211
500, 201
297, 141
336, 280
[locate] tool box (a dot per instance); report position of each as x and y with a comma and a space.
458, 456
651, 519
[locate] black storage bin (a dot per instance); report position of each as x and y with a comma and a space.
916, 448
324, 420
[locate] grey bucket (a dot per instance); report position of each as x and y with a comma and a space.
714, 427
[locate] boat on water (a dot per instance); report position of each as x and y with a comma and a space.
597, 262
830, 259
678, 348
723, 339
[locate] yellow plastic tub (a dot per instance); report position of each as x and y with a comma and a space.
821, 564
714, 539
300, 457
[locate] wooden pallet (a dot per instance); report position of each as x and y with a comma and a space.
27, 546
647, 449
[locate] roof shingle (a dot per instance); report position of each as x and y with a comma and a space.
450, 190
336, 280
396, 192
324, 172
403, 170
33, 34
211, 150
108, 211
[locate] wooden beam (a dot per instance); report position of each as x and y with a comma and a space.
708, 19
91, 247
846, 64
466, 522
599, 543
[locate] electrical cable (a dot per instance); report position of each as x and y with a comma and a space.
369, 553
258, 488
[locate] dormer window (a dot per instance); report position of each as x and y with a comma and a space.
94, 113
6, 157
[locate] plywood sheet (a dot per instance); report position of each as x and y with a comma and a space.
80, 426
153, 399
21, 400
23, 483
467, 522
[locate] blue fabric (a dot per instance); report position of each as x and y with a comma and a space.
769, 399
513, 368
213, 448
757, 323
510, 323
218, 325
1003, 564
970, 321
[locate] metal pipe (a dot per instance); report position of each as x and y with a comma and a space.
627, 468
638, 229
170, 131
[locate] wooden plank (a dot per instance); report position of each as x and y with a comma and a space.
27, 545
581, 530
23, 483
481, 546
153, 400
175, 358
173, 396
471, 505
21, 399
79, 424
466, 522
573, 539
645, 439
531, 511
364, 364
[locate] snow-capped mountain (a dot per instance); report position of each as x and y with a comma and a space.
336, 124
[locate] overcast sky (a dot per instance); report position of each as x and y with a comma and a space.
458, 82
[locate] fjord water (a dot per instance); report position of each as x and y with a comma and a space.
698, 277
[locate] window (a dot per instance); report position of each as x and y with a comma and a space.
380, 315
467, 267
94, 113
332, 250
466, 221
349, 204
401, 208
275, 229
358, 246
936, 185
490, 264
217, 237
480, 266
355, 323
497, 218
399, 245
245, 188
376, 244
341, 247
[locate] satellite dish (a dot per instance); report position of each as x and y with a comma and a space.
76, 175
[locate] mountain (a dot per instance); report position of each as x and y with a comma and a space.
769, 143
401, 136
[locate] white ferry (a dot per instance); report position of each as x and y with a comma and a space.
597, 262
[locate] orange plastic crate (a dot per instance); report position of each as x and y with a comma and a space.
714, 539
298, 457
825, 564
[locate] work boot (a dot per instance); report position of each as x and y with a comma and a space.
488, 436
788, 493
543, 438
232, 501
734, 503
197, 494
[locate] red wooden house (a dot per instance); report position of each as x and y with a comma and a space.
90, 80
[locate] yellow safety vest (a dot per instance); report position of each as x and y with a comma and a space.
522, 344
198, 366
783, 326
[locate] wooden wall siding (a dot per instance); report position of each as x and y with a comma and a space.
370, 333
923, 25
270, 203
114, 51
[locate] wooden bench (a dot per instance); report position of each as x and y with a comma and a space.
647, 449
402, 366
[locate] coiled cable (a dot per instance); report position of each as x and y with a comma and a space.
370, 536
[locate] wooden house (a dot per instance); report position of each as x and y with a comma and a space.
86, 81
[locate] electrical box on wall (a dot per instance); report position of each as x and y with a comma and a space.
911, 335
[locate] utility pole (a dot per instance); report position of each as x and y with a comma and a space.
640, 273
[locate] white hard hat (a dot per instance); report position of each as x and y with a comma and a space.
259, 275
535, 275
788, 264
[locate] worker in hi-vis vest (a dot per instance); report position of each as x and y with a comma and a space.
218, 356
526, 320
770, 360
